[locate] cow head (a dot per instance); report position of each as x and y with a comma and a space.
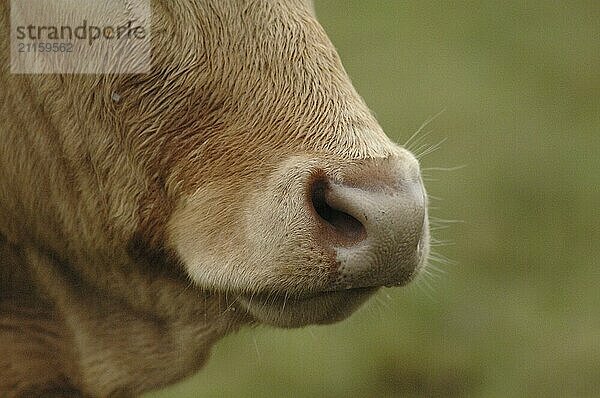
248, 157
290, 196
242, 180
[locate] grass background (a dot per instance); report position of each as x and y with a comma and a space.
518, 314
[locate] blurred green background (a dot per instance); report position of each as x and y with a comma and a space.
518, 313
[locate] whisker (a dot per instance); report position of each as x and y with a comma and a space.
420, 282
433, 269
258, 357
420, 155
387, 295
431, 197
420, 143
232, 303
430, 179
437, 242
444, 221
420, 129
436, 257
283, 306
434, 227
444, 168
382, 302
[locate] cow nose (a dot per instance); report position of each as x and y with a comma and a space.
375, 224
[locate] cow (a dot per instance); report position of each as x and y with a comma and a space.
143, 217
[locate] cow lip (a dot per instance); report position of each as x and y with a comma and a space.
282, 299
288, 310
299, 297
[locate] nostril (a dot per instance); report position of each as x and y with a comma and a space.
343, 229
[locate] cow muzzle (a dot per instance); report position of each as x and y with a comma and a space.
373, 220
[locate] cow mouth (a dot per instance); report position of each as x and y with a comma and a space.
286, 310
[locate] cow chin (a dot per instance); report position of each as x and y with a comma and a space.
290, 312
